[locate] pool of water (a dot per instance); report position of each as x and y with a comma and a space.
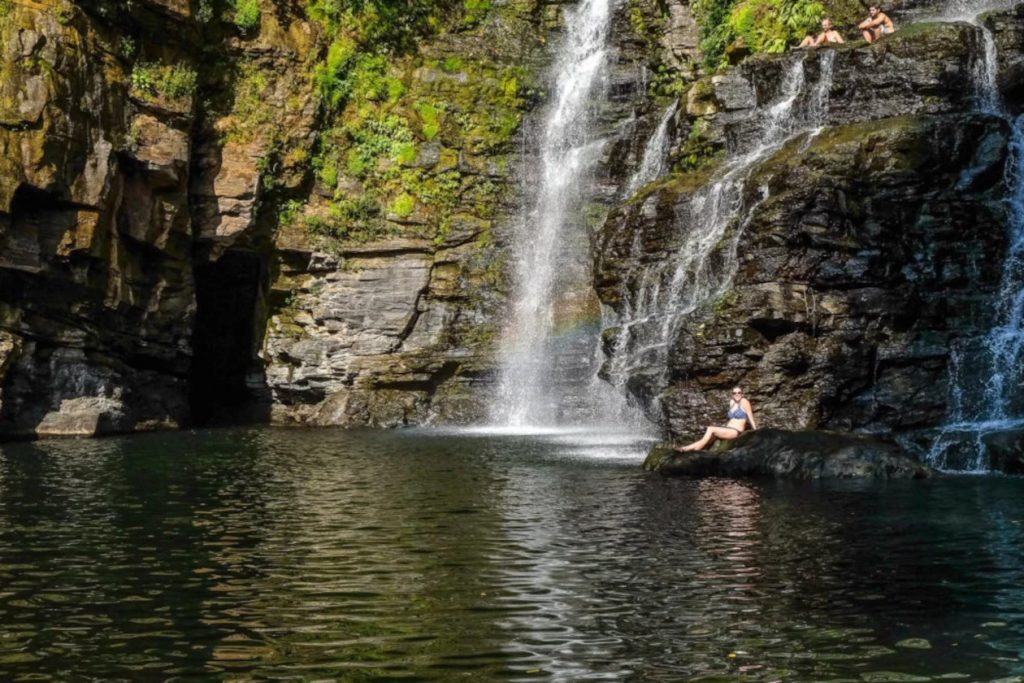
415, 555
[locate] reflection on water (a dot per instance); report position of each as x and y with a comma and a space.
311, 555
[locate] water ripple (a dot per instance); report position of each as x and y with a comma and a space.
324, 555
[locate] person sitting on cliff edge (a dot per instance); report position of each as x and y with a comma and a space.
877, 24
740, 415
828, 36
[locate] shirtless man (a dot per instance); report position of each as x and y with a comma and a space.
877, 24
828, 36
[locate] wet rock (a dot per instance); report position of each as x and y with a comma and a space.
782, 454
841, 308
681, 37
1005, 450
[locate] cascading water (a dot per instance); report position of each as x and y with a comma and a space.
548, 344
980, 408
652, 165
660, 295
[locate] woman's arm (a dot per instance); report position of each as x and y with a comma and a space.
750, 413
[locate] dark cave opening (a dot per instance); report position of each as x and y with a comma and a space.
227, 383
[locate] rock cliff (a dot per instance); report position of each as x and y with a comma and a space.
858, 253
211, 212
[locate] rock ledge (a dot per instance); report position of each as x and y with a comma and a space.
781, 454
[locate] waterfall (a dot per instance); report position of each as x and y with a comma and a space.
655, 154
976, 409
658, 296
1006, 340
548, 342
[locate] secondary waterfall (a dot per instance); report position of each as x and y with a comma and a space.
660, 295
652, 165
547, 353
978, 408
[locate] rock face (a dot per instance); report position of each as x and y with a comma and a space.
1005, 449
201, 221
778, 454
859, 251
95, 235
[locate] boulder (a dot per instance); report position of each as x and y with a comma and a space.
781, 454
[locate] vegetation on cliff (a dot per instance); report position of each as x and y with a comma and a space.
771, 26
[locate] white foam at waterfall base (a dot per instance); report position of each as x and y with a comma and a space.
659, 296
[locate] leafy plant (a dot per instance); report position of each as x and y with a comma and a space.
175, 82
126, 47
760, 25
289, 211
247, 14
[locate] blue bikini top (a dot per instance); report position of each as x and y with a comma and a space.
736, 412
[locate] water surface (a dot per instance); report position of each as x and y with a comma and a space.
330, 555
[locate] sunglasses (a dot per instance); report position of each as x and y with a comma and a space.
737, 393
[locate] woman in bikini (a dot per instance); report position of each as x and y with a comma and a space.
740, 416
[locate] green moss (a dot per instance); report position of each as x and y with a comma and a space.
251, 112
289, 211
403, 205
355, 219
404, 152
64, 14
429, 119
381, 109
475, 10
699, 149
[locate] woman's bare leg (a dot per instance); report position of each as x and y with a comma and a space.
710, 434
